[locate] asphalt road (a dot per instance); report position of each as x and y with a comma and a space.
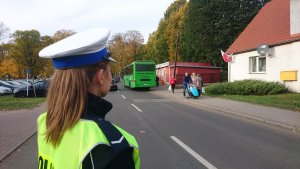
179, 136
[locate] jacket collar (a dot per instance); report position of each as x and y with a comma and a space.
97, 107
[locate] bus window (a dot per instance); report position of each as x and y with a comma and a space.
128, 70
144, 67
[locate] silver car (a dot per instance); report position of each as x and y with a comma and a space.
5, 90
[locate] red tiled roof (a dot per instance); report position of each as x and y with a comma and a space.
270, 26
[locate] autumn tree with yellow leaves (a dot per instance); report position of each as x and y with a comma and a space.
126, 48
21, 53
161, 44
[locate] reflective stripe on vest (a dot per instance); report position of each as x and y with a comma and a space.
75, 144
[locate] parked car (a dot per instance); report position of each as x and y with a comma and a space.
24, 82
117, 79
5, 90
15, 83
113, 86
5, 84
38, 89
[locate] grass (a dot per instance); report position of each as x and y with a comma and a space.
13, 103
285, 101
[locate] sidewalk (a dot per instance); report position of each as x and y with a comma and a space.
16, 127
286, 119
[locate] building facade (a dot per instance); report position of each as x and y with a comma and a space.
208, 73
276, 28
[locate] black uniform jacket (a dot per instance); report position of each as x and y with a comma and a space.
100, 156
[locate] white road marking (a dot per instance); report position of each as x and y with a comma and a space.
123, 96
118, 91
193, 153
138, 109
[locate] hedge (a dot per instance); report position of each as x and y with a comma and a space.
246, 87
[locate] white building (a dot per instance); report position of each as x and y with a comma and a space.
277, 27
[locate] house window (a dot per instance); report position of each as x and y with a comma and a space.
257, 64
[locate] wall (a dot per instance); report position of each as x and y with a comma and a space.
208, 75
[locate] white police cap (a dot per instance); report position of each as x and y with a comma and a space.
82, 49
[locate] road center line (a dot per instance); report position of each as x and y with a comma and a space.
193, 153
123, 96
138, 109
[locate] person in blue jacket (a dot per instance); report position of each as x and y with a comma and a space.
186, 80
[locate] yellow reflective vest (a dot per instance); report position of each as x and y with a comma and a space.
75, 145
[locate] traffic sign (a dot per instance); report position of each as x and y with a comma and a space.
27, 71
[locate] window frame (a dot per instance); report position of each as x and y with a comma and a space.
257, 65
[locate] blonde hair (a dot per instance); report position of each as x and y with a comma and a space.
66, 99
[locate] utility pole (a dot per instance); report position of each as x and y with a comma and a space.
177, 39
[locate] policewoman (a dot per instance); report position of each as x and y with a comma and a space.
73, 133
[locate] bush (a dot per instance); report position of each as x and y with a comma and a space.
246, 87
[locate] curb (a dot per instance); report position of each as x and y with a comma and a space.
251, 117
16, 147
19, 140
294, 129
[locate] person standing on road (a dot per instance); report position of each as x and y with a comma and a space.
193, 78
199, 84
172, 83
186, 80
73, 133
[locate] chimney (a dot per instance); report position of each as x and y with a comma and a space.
295, 16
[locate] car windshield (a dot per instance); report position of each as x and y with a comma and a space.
5, 83
23, 82
38, 84
14, 83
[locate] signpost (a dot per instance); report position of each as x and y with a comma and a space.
27, 71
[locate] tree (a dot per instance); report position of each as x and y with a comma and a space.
25, 50
3, 31
125, 48
173, 31
134, 40
142, 53
4, 51
9, 67
214, 25
62, 34
174, 8
48, 69
160, 44
117, 48
151, 49
3, 34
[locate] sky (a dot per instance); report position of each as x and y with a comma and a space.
49, 16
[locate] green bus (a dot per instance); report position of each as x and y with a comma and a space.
139, 74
